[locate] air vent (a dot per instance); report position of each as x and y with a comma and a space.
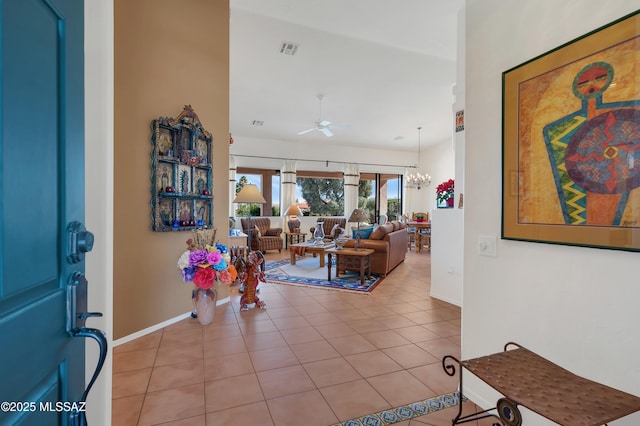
257, 122
398, 138
288, 48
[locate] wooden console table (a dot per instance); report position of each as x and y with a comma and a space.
352, 259
527, 379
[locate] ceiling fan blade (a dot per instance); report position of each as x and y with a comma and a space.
326, 132
307, 131
324, 123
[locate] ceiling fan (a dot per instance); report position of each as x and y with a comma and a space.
321, 125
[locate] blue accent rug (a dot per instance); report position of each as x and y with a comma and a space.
406, 412
307, 273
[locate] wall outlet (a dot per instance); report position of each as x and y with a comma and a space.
487, 245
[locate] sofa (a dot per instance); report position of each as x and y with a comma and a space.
327, 225
263, 236
389, 242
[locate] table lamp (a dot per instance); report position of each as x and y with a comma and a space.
293, 223
358, 215
249, 194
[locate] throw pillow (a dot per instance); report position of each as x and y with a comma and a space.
365, 232
337, 231
256, 231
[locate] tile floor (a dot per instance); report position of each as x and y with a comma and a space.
313, 357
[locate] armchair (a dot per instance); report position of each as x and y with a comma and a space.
328, 225
263, 236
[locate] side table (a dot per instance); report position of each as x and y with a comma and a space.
289, 238
238, 240
352, 259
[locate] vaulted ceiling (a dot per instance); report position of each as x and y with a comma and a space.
384, 68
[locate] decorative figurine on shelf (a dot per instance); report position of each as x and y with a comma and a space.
254, 273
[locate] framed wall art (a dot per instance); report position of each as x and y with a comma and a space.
571, 142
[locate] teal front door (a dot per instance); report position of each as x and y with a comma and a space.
42, 240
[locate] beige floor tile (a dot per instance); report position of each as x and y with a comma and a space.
409, 356
126, 411
301, 335
314, 351
287, 323
331, 372
416, 333
176, 375
172, 404
335, 329
284, 312
284, 381
232, 392
253, 414
188, 336
400, 388
133, 360
386, 339
228, 346
130, 383
227, 366
191, 421
172, 354
350, 345
435, 378
441, 347
307, 408
444, 328
354, 399
150, 341
372, 363
267, 359
367, 325
264, 341
220, 332
318, 318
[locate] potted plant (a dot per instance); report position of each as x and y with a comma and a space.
444, 193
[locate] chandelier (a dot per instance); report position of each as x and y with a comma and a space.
418, 180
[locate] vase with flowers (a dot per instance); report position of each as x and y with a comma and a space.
204, 266
444, 193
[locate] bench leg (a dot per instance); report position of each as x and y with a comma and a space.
450, 369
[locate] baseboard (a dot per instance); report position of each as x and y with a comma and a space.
161, 325
445, 299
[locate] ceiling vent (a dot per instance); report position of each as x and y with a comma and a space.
288, 48
257, 122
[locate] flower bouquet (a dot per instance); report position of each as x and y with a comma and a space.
204, 266
444, 193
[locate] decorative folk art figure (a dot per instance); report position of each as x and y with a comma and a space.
254, 273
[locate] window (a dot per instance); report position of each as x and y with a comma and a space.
380, 194
323, 193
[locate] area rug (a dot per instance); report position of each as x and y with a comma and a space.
308, 273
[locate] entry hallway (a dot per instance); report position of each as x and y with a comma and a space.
313, 357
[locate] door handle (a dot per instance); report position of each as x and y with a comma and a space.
76, 417
77, 316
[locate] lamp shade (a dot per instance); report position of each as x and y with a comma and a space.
293, 210
249, 194
358, 215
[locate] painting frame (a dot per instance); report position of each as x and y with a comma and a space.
569, 173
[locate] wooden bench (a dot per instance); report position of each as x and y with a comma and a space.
527, 379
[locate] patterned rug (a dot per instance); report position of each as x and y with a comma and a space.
308, 273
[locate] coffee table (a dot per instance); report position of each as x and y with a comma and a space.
309, 247
352, 259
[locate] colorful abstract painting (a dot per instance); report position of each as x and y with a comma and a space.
571, 142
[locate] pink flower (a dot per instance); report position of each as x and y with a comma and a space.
214, 257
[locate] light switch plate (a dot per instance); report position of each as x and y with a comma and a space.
487, 245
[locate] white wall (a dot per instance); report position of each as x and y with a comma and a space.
576, 306
99, 194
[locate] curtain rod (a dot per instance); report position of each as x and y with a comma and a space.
322, 161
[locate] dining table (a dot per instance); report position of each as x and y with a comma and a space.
423, 230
